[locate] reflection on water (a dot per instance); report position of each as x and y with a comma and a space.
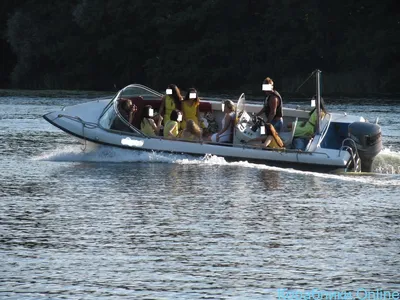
117, 224
121, 230
270, 179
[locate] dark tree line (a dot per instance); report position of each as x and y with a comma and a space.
209, 44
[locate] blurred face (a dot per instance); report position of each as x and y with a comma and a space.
172, 90
227, 108
128, 105
267, 87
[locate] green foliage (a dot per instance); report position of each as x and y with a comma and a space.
209, 44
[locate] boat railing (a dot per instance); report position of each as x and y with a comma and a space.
344, 147
321, 136
325, 129
355, 158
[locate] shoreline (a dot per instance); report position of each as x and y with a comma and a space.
222, 94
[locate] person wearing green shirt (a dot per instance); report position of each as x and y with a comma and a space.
305, 131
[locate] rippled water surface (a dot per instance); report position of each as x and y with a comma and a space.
120, 224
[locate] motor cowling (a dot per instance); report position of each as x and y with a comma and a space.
245, 129
368, 139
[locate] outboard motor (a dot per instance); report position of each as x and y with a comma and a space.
368, 139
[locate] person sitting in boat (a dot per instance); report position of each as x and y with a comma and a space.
127, 110
190, 107
171, 128
148, 124
171, 101
305, 130
273, 103
192, 132
270, 139
225, 134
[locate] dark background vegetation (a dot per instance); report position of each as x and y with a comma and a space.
209, 44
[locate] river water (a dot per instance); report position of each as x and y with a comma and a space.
120, 224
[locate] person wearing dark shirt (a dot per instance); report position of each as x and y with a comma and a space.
272, 105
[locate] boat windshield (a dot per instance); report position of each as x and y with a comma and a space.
134, 90
241, 104
112, 118
138, 90
111, 114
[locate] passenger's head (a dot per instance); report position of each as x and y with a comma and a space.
268, 85
268, 81
126, 104
176, 115
148, 112
193, 128
229, 106
175, 93
192, 94
322, 105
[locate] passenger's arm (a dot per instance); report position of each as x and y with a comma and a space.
268, 140
198, 113
159, 121
153, 125
170, 133
162, 106
132, 114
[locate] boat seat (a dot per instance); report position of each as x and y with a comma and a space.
287, 137
205, 107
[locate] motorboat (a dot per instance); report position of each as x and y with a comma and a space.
341, 142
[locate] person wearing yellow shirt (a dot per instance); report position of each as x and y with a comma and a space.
171, 101
148, 125
192, 132
171, 128
190, 107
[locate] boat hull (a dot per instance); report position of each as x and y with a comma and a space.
328, 161
329, 145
